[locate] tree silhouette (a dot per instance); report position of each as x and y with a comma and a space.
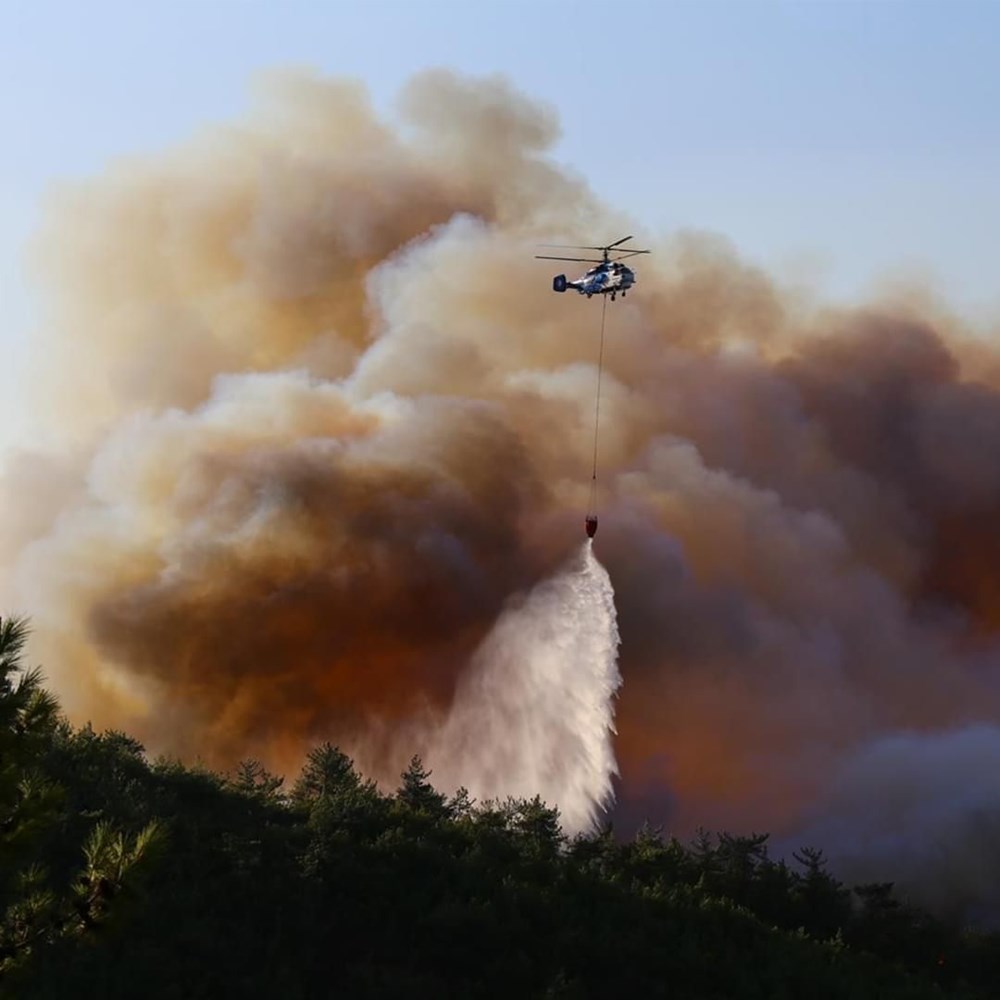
327, 771
418, 793
117, 871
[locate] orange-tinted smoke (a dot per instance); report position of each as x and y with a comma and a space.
323, 415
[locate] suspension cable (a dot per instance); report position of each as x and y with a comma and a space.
597, 410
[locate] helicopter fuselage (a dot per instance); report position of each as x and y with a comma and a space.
605, 279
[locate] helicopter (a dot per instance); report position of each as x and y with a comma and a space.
609, 277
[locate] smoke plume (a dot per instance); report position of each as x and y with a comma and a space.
322, 417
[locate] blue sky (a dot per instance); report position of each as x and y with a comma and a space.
858, 136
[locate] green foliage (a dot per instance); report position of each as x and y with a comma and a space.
111, 859
42, 899
254, 780
125, 877
418, 794
327, 772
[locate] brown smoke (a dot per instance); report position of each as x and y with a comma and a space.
324, 416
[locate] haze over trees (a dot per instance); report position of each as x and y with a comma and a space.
123, 876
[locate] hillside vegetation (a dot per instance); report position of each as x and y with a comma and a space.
124, 877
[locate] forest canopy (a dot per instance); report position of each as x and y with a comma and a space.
121, 875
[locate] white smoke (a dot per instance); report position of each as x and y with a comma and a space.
535, 713
921, 810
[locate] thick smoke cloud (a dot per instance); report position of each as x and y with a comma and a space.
323, 417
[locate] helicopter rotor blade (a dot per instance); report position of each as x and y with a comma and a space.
605, 251
580, 246
581, 260
567, 246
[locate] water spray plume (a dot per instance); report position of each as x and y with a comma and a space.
534, 715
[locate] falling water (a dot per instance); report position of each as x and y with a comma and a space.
535, 714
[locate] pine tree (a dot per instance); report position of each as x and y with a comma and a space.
327, 771
417, 792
